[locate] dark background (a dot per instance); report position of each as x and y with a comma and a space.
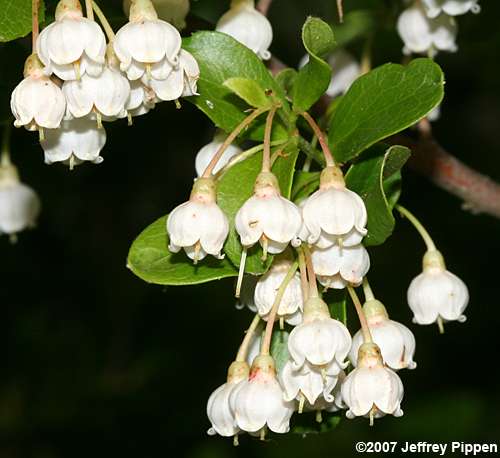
97, 363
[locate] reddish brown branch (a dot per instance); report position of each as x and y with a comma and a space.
263, 6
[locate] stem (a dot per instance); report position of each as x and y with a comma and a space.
5, 153
369, 296
104, 21
35, 27
303, 275
313, 287
266, 342
232, 136
243, 350
321, 137
367, 335
340, 10
266, 157
311, 152
88, 8
418, 226
366, 57
307, 163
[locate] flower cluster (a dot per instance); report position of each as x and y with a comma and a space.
429, 26
75, 81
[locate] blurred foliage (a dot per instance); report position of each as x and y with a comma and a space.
99, 363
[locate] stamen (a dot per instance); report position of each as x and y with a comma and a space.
41, 134
323, 374
340, 241
440, 325
76, 65
282, 323
319, 416
302, 401
243, 261
99, 119
130, 122
235, 440
373, 411
263, 434
264, 243
197, 249
148, 71
72, 162
177, 104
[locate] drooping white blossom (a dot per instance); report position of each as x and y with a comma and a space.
37, 102
372, 390
338, 267
198, 226
173, 11
76, 141
147, 45
319, 340
345, 68
219, 412
335, 403
334, 214
141, 100
396, 341
258, 402
437, 295
206, 154
291, 304
422, 34
19, 204
247, 25
181, 81
268, 217
72, 45
434, 8
104, 96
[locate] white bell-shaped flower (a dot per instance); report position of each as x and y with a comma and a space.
335, 403
219, 411
247, 25
141, 100
434, 8
198, 226
320, 340
181, 81
72, 45
147, 45
372, 389
258, 402
291, 304
422, 34
346, 70
268, 217
309, 383
396, 341
37, 103
437, 295
173, 11
206, 154
19, 204
334, 214
104, 96
338, 267
76, 141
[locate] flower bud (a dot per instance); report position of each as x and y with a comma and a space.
437, 294
372, 390
247, 25
396, 341
434, 8
198, 226
72, 45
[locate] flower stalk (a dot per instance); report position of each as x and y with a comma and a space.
266, 342
367, 336
321, 137
266, 156
418, 226
5, 151
313, 286
243, 350
35, 6
103, 20
367, 290
89, 9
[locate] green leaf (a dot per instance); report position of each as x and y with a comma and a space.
304, 184
375, 173
313, 79
382, 103
279, 348
236, 186
15, 18
220, 58
250, 91
357, 24
337, 300
150, 259
286, 79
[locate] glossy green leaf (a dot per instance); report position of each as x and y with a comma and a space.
375, 173
304, 184
236, 186
313, 79
337, 300
150, 259
250, 91
220, 58
286, 79
279, 348
15, 19
382, 103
